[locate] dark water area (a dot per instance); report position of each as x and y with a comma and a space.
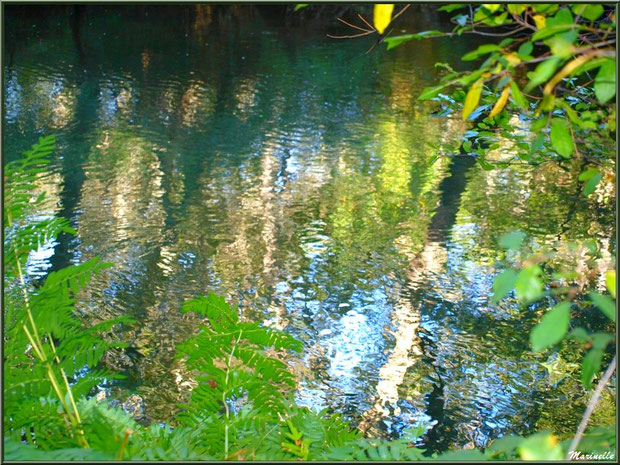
250, 155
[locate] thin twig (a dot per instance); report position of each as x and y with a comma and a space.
367, 23
352, 25
400, 12
227, 410
490, 34
523, 22
350, 37
591, 405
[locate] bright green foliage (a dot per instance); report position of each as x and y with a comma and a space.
512, 240
541, 446
531, 283
566, 111
503, 284
591, 177
376, 450
20, 176
591, 365
567, 108
605, 82
605, 304
560, 138
20, 205
231, 364
300, 434
113, 434
45, 344
242, 406
598, 440
610, 282
552, 327
504, 448
18, 451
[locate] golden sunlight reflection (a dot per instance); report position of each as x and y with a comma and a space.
197, 102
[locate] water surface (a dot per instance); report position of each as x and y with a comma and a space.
293, 174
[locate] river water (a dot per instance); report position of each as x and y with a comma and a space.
294, 174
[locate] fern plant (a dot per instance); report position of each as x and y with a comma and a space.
45, 344
238, 382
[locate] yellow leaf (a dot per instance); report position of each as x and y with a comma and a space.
552, 440
516, 9
610, 282
540, 21
512, 59
566, 70
472, 98
501, 102
382, 16
492, 7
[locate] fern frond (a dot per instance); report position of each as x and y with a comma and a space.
20, 176
17, 451
45, 343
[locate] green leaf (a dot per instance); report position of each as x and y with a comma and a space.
472, 98
480, 51
601, 340
471, 77
541, 446
515, 8
562, 17
526, 48
542, 73
538, 124
561, 45
590, 366
503, 284
561, 138
506, 444
545, 8
552, 327
587, 174
579, 334
485, 165
550, 31
397, 40
589, 12
547, 103
299, 6
432, 92
591, 184
450, 8
537, 144
605, 304
512, 240
605, 82
529, 286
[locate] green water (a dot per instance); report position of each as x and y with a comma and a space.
291, 173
